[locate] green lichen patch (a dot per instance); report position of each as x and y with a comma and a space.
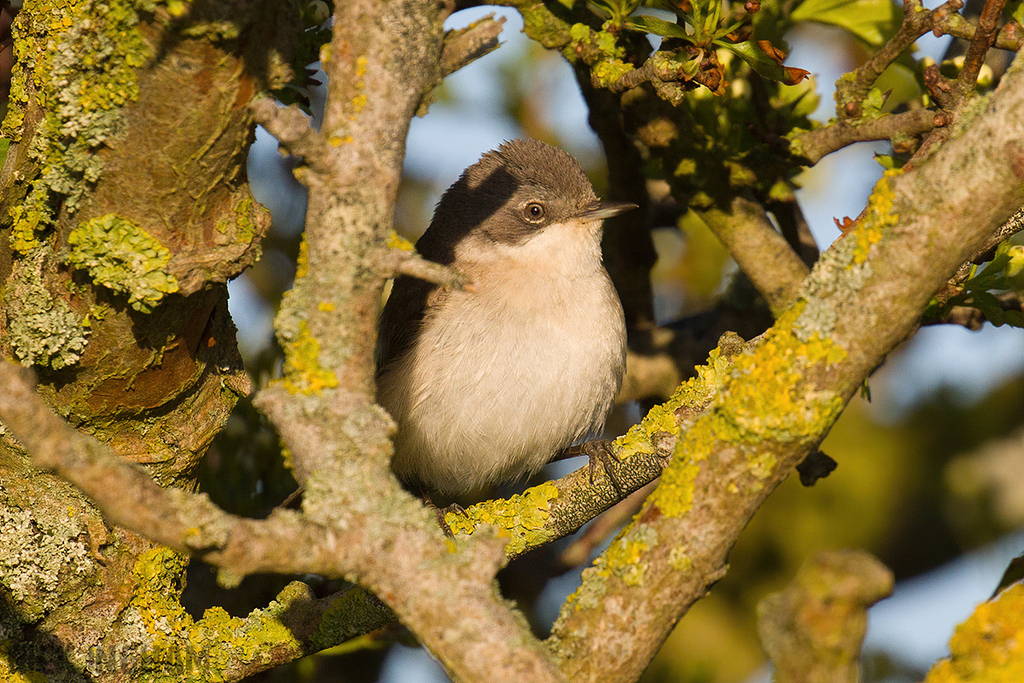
542, 24
769, 401
600, 50
521, 518
82, 78
837, 274
627, 556
679, 559
303, 373
625, 559
696, 391
42, 329
167, 645
121, 256
338, 623
879, 216
988, 647
845, 267
240, 225
760, 401
396, 241
674, 495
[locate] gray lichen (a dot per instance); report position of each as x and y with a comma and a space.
43, 330
40, 551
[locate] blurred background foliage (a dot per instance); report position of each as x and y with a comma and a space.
921, 480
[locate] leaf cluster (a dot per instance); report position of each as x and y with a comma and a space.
1004, 274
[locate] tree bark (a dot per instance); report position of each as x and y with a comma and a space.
127, 210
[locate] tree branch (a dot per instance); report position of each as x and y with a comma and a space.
1010, 37
984, 37
761, 252
814, 629
379, 555
411, 264
1012, 226
378, 75
465, 45
291, 126
191, 524
851, 91
129, 497
864, 296
815, 144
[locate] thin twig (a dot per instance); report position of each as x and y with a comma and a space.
916, 22
815, 144
465, 45
291, 126
984, 36
1010, 37
408, 263
1012, 226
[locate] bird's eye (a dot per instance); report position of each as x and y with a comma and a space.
534, 212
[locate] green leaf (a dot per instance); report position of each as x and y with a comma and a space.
601, 9
615, 10
1014, 318
751, 53
659, 27
988, 304
871, 108
873, 21
885, 161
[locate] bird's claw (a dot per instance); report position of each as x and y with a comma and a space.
601, 451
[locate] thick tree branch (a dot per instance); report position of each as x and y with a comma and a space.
189, 523
378, 74
761, 252
814, 629
863, 298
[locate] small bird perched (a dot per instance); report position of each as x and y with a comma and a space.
489, 383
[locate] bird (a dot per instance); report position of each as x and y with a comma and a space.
488, 384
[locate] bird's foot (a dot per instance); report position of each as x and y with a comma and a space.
598, 451
441, 512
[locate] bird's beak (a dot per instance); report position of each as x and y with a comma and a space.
606, 210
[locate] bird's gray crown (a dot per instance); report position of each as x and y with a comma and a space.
507, 196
